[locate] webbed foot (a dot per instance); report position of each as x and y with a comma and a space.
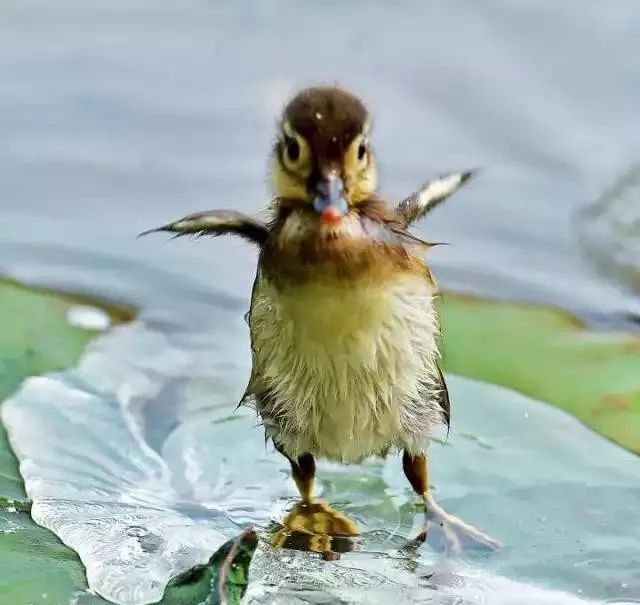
446, 532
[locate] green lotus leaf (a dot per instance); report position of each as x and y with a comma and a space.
542, 352
201, 585
549, 355
35, 337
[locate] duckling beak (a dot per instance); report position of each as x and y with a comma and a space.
329, 201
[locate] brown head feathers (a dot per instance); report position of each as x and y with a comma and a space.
328, 118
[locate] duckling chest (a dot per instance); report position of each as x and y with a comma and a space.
345, 364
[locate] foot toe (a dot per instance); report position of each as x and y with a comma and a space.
449, 533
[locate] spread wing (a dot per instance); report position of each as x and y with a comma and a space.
433, 192
217, 222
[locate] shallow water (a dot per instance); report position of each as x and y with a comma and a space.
118, 118
147, 469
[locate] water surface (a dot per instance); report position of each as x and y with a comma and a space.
118, 117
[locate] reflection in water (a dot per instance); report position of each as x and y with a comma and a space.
609, 230
316, 527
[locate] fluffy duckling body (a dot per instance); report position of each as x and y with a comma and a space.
344, 333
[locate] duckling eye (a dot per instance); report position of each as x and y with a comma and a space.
362, 150
293, 148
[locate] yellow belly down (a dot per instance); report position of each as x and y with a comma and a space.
349, 369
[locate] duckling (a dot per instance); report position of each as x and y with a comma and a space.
345, 337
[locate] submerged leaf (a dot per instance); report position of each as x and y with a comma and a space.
36, 336
35, 567
221, 581
136, 458
97, 481
147, 470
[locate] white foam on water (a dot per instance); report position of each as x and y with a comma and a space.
88, 317
305, 582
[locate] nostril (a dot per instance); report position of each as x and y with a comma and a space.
333, 149
330, 188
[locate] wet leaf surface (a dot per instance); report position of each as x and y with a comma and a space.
551, 356
147, 470
35, 337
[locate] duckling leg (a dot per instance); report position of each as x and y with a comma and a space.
304, 473
440, 527
303, 470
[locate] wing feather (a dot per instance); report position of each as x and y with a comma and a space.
443, 399
214, 223
431, 194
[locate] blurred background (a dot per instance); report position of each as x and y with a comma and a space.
118, 116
